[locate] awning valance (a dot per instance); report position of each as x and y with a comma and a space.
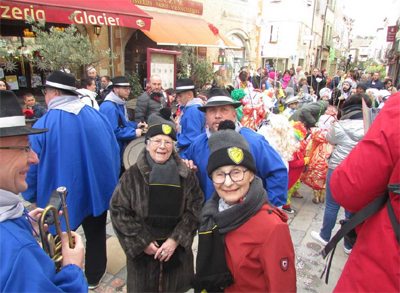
109, 13
173, 30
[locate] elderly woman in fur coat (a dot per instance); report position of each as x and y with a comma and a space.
155, 213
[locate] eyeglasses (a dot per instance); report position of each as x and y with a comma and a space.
26, 148
159, 142
236, 175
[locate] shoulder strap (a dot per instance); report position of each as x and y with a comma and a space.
395, 188
356, 220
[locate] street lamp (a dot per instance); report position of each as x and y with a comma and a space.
97, 30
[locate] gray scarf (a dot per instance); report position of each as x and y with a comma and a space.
236, 215
70, 104
163, 174
11, 206
115, 99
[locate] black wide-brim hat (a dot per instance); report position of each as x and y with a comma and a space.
184, 85
120, 81
219, 97
12, 120
63, 81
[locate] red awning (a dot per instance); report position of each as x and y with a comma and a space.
110, 13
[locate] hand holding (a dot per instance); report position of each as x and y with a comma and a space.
72, 255
34, 217
142, 125
151, 249
167, 249
190, 164
139, 132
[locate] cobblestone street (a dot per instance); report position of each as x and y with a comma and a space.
309, 263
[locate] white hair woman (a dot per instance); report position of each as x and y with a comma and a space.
155, 213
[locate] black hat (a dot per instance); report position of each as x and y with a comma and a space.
161, 123
228, 147
219, 97
163, 128
62, 80
12, 121
120, 81
362, 85
184, 85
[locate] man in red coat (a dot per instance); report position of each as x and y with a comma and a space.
374, 264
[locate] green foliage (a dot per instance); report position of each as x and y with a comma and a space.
371, 66
136, 89
64, 49
191, 66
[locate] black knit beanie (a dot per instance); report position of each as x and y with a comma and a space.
228, 147
161, 123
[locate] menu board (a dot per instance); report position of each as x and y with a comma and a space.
163, 66
162, 63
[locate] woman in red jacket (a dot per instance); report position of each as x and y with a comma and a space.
374, 264
244, 242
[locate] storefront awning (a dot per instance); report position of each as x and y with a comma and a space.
173, 30
109, 13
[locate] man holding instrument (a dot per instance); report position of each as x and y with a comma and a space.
24, 265
81, 153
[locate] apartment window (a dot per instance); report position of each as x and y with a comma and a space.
273, 36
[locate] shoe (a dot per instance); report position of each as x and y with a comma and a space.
347, 250
296, 194
317, 237
288, 209
95, 285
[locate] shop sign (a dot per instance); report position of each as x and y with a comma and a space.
391, 33
55, 14
186, 6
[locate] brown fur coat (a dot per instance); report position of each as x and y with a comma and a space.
128, 209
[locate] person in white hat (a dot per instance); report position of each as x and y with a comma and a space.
81, 153
25, 267
292, 103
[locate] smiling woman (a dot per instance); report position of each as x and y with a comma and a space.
155, 211
237, 222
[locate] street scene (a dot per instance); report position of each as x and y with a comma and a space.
199, 146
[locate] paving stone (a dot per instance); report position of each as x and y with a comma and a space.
117, 283
116, 259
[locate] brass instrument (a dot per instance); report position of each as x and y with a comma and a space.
52, 244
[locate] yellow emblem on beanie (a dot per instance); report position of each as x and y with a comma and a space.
236, 154
166, 129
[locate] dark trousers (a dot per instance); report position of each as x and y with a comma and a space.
96, 255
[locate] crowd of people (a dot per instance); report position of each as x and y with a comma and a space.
224, 165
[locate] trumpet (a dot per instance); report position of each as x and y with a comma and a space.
52, 244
